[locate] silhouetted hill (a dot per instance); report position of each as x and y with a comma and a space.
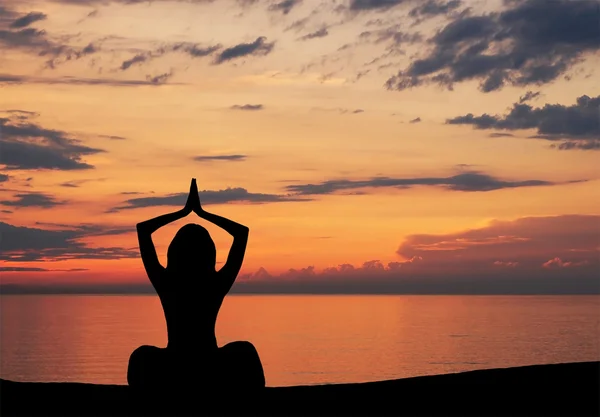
571, 390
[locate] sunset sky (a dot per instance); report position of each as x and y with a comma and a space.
369, 145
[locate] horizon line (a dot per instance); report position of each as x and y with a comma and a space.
19, 290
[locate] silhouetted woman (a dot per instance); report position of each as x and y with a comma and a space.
191, 292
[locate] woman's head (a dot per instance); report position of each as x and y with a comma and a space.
192, 250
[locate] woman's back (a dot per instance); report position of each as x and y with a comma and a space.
191, 307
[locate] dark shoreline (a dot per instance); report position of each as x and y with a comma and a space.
571, 389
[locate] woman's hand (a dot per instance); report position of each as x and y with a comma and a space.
193, 201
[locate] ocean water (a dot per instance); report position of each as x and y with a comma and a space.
304, 339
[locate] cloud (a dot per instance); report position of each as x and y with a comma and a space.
468, 181
297, 25
18, 35
316, 34
379, 5
26, 145
112, 137
339, 110
417, 120
250, 107
27, 39
592, 145
533, 42
528, 241
4, 177
197, 51
284, 6
28, 244
559, 263
7, 16
31, 269
89, 229
69, 80
28, 19
505, 257
501, 135
26, 200
78, 183
259, 47
207, 197
192, 49
159, 79
391, 33
202, 158
508, 264
21, 114
528, 96
579, 124
136, 59
531, 255
434, 8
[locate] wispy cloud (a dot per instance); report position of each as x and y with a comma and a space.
207, 197
28, 19
250, 107
70, 80
467, 182
321, 33
32, 269
284, 6
259, 47
29, 244
578, 125
193, 50
27, 145
18, 35
27, 200
202, 158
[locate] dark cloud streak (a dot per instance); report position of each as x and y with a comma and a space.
27, 244
259, 47
202, 158
26, 145
467, 181
284, 6
578, 124
69, 80
248, 107
434, 8
321, 33
207, 197
28, 19
26, 200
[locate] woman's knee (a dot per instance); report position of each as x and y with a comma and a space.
144, 362
242, 362
240, 347
144, 354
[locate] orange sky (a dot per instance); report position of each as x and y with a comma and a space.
337, 131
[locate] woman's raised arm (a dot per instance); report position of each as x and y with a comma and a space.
145, 229
232, 266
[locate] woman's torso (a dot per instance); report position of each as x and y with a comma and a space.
191, 308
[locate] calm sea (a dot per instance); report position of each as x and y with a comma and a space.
304, 339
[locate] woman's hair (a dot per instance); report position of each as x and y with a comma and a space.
192, 249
